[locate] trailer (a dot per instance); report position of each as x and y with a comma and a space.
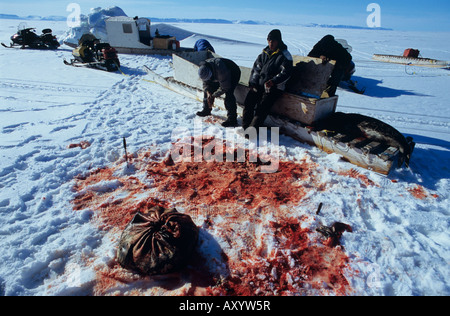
297, 112
133, 36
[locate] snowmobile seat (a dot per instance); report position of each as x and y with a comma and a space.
101, 46
88, 40
47, 31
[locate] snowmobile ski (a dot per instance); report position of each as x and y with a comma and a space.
15, 46
81, 65
95, 65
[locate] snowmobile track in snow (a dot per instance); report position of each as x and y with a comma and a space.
33, 86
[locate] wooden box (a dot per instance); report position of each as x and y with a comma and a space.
307, 111
162, 42
304, 100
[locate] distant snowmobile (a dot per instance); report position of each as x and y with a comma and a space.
92, 54
27, 37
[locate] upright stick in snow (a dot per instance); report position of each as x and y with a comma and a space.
125, 147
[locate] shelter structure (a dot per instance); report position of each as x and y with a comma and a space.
133, 36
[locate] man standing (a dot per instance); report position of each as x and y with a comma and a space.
271, 70
220, 76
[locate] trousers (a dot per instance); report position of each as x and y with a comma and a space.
257, 106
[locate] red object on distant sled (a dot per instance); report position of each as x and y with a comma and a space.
410, 52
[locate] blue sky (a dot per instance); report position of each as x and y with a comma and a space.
432, 15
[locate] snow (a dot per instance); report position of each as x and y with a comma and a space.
94, 23
400, 241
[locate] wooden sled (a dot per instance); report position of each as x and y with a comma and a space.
295, 113
411, 61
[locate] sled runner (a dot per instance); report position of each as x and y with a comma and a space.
303, 114
412, 61
96, 65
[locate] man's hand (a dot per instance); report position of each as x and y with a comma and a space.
268, 85
325, 59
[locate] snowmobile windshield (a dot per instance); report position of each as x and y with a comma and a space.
22, 26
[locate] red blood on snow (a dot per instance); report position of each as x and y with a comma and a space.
83, 145
420, 193
265, 250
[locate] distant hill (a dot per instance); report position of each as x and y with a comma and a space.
159, 20
33, 17
9, 16
176, 20
212, 21
345, 27
250, 22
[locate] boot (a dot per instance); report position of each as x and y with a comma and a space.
231, 106
257, 122
206, 110
230, 122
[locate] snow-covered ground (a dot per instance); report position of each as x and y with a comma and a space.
56, 239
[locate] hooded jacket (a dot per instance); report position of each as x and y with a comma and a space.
276, 66
333, 50
203, 45
225, 72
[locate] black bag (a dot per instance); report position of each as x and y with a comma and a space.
158, 242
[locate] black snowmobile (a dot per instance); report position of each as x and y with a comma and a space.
27, 37
92, 54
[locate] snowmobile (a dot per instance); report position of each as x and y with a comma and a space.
92, 54
27, 37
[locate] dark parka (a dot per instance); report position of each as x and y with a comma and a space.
224, 72
225, 76
203, 45
333, 50
276, 66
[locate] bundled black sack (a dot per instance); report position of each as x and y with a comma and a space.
158, 242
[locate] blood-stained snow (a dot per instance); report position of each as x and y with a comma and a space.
67, 190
